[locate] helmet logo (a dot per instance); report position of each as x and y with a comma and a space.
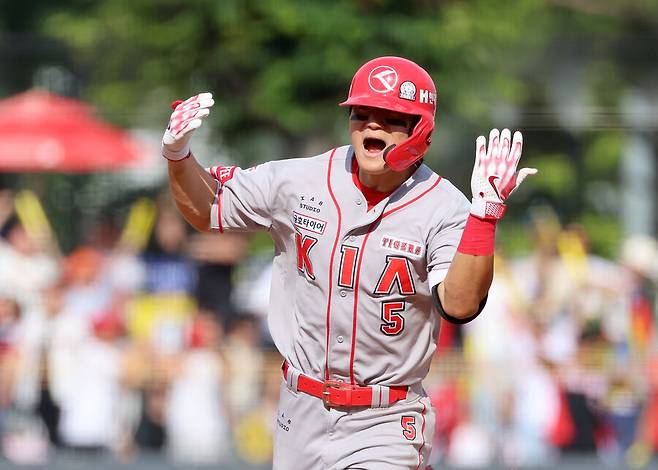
408, 91
383, 79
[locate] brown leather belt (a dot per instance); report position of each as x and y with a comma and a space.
335, 394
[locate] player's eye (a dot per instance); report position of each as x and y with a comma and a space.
393, 122
356, 116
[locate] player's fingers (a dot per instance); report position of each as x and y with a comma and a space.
200, 104
202, 100
480, 150
204, 96
195, 98
517, 148
524, 173
195, 113
184, 115
186, 127
505, 144
168, 138
181, 121
494, 144
188, 115
516, 181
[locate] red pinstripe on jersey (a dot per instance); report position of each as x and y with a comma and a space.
219, 209
358, 269
331, 262
422, 433
401, 206
356, 298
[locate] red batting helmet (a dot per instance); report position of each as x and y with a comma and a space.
400, 85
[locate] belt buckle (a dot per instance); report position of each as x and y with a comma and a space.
326, 386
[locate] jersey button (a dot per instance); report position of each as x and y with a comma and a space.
352, 238
340, 339
343, 293
359, 202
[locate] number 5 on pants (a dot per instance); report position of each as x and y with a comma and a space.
409, 430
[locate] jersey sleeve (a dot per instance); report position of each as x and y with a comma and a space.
243, 201
444, 239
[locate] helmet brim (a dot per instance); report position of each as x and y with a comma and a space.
382, 103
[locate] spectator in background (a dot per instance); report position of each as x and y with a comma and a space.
245, 360
631, 402
252, 294
216, 257
10, 314
86, 289
585, 385
471, 444
648, 430
25, 268
124, 269
150, 434
639, 258
39, 366
196, 414
447, 398
168, 268
144, 377
622, 406
91, 408
6, 206
170, 280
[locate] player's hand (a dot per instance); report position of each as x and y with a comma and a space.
188, 116
494, 173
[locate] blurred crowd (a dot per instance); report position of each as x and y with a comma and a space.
151, 338
563, 360
130, 343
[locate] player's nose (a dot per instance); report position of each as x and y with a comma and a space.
374, 121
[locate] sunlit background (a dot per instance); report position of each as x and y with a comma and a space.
129, 341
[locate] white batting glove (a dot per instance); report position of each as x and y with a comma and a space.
186, 118
494, 173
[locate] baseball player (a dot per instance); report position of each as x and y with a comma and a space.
372, 248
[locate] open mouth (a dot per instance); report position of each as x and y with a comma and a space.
373, 145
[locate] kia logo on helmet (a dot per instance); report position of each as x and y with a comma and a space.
383, 79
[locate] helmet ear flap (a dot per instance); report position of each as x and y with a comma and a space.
402, 156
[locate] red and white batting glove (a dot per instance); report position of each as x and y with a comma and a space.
494, 173
494, 179
187, 117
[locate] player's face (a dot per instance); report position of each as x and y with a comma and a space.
373, 130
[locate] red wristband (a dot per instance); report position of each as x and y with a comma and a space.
479, 237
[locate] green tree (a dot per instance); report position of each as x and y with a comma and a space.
558, 69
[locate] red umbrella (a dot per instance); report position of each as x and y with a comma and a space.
40, 131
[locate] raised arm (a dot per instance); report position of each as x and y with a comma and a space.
192, 186
462, 294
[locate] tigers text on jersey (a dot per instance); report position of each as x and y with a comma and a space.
350, 296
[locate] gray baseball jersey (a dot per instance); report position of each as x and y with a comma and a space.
351, 287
